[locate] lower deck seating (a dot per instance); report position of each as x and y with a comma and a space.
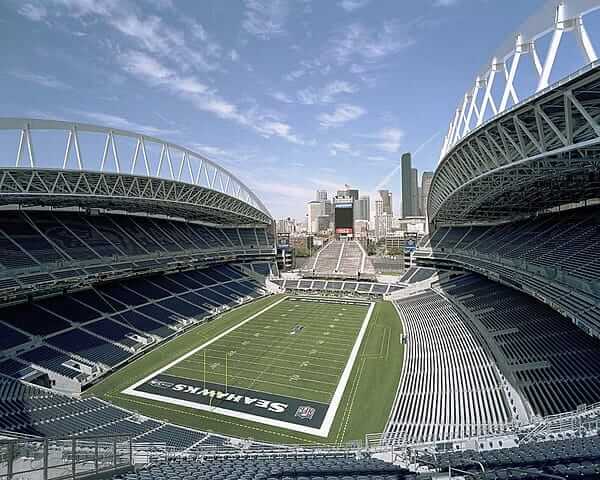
450, 386
105, 325
554, 363
417, 274
28, 409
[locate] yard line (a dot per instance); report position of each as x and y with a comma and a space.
291, 354
243, 371
294, 362
268, 367
278, 384
257, 344
308, 331
240, 365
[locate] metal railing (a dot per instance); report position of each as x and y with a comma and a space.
63, 458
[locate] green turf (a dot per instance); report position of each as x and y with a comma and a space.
269, 361
263, 355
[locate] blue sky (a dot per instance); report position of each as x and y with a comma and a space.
291, 96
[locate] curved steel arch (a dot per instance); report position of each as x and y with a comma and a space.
176, 165
541, 153
481, 101
495, 144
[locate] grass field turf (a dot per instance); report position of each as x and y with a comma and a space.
266, 363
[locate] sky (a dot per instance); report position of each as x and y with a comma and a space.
291, 96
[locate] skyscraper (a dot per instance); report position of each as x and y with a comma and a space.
349, 192
386, 199
425, 187
408, 205
321, 196
314, 211
362, 208
414, 191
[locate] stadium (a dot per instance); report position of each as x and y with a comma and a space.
146, 331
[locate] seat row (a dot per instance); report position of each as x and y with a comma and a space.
28, 409
101, 327
450, 386
42, 246
567, 242
554, 364
343, 287
319, 467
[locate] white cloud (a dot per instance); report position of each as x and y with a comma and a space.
82, 8
43, 80
35, 13
295, 74
164, 57
369, 44
351, 5
282, 97
152, 33
342, 114
234, 55
153, 72
279, 129
390, 139
326, 94
146, 67
121, 123
343, 148
444, 3
265, 18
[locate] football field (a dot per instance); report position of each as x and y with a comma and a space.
279, 369
285, 366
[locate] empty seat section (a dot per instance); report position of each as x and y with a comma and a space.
51, 359
115, 235
142, 322
248, 237
10, 338
16, 226
450, 387
182, 307
32, 319
554, 363
89, 346
113, 331
63, 238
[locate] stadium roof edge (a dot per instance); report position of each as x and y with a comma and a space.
175, 163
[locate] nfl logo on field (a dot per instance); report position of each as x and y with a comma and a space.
305, 412
160, 384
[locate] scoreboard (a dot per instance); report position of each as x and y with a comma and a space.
344, 218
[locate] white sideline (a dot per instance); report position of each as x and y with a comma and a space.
323, 431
